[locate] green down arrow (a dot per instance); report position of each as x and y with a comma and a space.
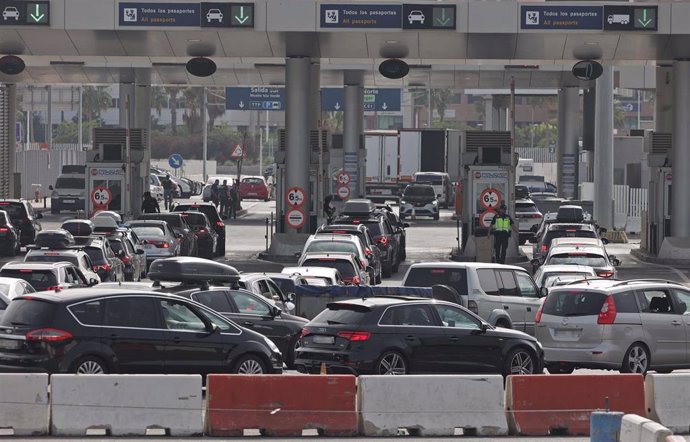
37, 16
443, 20
242, 18
644, 21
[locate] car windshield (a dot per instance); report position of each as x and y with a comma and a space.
374, 227
332, 246
29, 313
344, 267
286, 285
315, 280
14, 210
578, 258
195, 219
148, 231
39, 279
574, 303
433, 179
526, 207
252, 181
70, 183
340, 314
116, 245
5, 289
419, 191
51, 257
428, 277
172, 220
210, 211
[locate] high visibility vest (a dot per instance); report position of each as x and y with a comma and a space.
502, 224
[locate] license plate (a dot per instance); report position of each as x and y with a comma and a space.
251, 193
566, 334
8, 344
324, 339
68, 201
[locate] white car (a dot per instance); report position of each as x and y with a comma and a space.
10, 12
316, 275
77, 257
330, 243
351, 269
416, 16
13, 287
156, 187
214, 14
591, 255
548, 276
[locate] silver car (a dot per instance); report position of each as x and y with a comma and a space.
631, 326
159, 240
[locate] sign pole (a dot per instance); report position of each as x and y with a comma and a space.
204, 154
127, 206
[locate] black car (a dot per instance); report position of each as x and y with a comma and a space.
188, 241
108, 266
133, 259
10, 241
206, 236
395, 336
384, 234
214, 218
398, 225
22, 215
96, 330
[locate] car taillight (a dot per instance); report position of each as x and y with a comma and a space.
48, 335
220, 224
544, 248
354, 335
604, 274
366, 251
356, 280
472, 306
4, 229
54, 288
165, 245
104, 267
305, 332
537, 317
608, 312
382, 240
364, 264
202, 231
125, 259
536, 215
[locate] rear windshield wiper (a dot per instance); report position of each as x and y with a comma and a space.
19, 324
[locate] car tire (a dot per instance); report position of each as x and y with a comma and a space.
387, 270
250, 364
520, 360
372, 277
391, 363
636, 359
292, 347
378, 279
89, 365
560, 369
436, 217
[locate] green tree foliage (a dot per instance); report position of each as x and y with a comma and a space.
68, 131
440, 100
95, 99
543, 134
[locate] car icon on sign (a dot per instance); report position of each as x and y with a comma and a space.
622, 19
416, 16
10, 12
214, 14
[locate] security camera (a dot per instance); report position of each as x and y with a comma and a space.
394, 68
11, 65
201, 66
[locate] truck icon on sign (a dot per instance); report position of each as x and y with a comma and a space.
622, 19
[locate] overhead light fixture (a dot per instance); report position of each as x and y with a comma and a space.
66, 63
11, 65
201, 67
392, 42
394, 68
193, 40
521, 67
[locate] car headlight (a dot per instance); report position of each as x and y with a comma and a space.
274, 348
403, 202
435, 203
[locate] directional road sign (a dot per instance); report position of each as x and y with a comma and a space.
101, 196
630, 18
175, 161
295, 218
380, 100
242, 15
428, 16
23, 13
295, 196
255, 98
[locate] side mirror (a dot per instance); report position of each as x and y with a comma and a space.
534, 228
179, 236
604, 241
213, 328
298, 254
140, 251
543, 292
535, 262
533, 240
615, 261
483, 327
92, 282
275, 311
39, 215
291, 297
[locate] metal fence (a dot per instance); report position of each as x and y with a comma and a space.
629, 203
538, 154
42, 167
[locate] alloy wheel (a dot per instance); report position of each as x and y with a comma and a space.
90, 367
522, 363
392, 364
250, 366
637, 360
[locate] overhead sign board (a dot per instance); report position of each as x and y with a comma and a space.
159, 14
558, 17
356, 16
630, 18
227, 15
255, 98
16, 13
376, 100
428, 16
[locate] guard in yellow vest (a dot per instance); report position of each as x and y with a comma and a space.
501, 227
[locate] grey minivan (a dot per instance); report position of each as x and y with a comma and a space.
632, 326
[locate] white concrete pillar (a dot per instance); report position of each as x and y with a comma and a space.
297, 155
680, 203
603, 150
352, 131
663, 100
568, 136
488, 112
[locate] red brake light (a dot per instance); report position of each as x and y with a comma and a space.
354, 335
382, 240
54, 288
202, 231
305, 332
25, 270
165, 245
544, 248
48, 335
356, 280
326, 259
571, 230
604, 274
355, 221
537, 317
367, 252
220, 224
125, 259
4, 229
608, 312
105, 267
437, 271
537, 215
339, 231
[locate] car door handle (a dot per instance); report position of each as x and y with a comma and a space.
505, 307
248, 324
454, 338
410, 338
177, 339
674, 322
529, 309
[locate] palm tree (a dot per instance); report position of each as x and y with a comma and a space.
95, 99
192, 116
173, 93
440, 100
215, 99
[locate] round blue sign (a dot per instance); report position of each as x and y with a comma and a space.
175, 161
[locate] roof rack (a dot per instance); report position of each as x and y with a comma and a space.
665, 281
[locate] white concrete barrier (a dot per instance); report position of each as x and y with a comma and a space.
635, 428
24, 407
432, 405
126, 405
667, 399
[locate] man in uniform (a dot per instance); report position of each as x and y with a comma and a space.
501, 227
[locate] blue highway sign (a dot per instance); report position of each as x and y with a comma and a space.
378, 100
355, 16
255, 98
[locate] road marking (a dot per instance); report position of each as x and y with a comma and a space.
682, 276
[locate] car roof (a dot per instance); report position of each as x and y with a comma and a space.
327, 272
377, 301
329, 255
36, 265
331, 236
582, 249
155, 222
565, 226
565, 268
463, 265
562, 242
59, 251
6, 280
83, 294
358, 227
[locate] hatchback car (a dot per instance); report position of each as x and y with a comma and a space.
325, 243
576, 253
159, 239
263, 285
47, 276
316, 275
419, 200
22, 215
385, 237
206, 236
127, 331
14, 287
133, 258
75, 256
632, 326
397, 336
10, 236
528, 216
352, 271
254, 187
108, 266
184, 232
214, 218
365, 238
542, 243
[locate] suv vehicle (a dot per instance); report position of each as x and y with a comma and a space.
352, 271
98, 330
362, 232
22, 215
108, 266
335, 243
397, 336
10, 240
214, 218
47, 275
178, 223
552, 231
582, 251
632, 326
69, 192
527, 216
74, 256
398, 225
158, 238
420, 200
206, 236
385, 237
503, 295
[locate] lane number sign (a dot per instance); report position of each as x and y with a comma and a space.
295, 196
490, 198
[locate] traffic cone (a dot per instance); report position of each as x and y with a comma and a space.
323, 368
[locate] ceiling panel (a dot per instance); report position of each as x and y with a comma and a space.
580, 46
11, 42
442, 44
43, 74
393, 44
245, 44
641, 47
491, 79
487, 46
184, 42
540, 46
97, 42
44, 41
145, 43
72, 74
343, 44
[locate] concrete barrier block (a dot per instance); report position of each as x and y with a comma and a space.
126, 405
24, 407
667, 398
631, 428
654, 432
432, 405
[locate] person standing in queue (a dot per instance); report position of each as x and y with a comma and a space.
215, 193
168, 188
501, 227
224, 197
234, 200
150, 204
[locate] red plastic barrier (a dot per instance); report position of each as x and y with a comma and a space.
281, 405
539, 405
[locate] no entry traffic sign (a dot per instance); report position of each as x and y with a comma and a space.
101, 196
295, 218
295, 196
344, 192
486, 217
490, 198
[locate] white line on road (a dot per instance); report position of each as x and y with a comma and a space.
682, 276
